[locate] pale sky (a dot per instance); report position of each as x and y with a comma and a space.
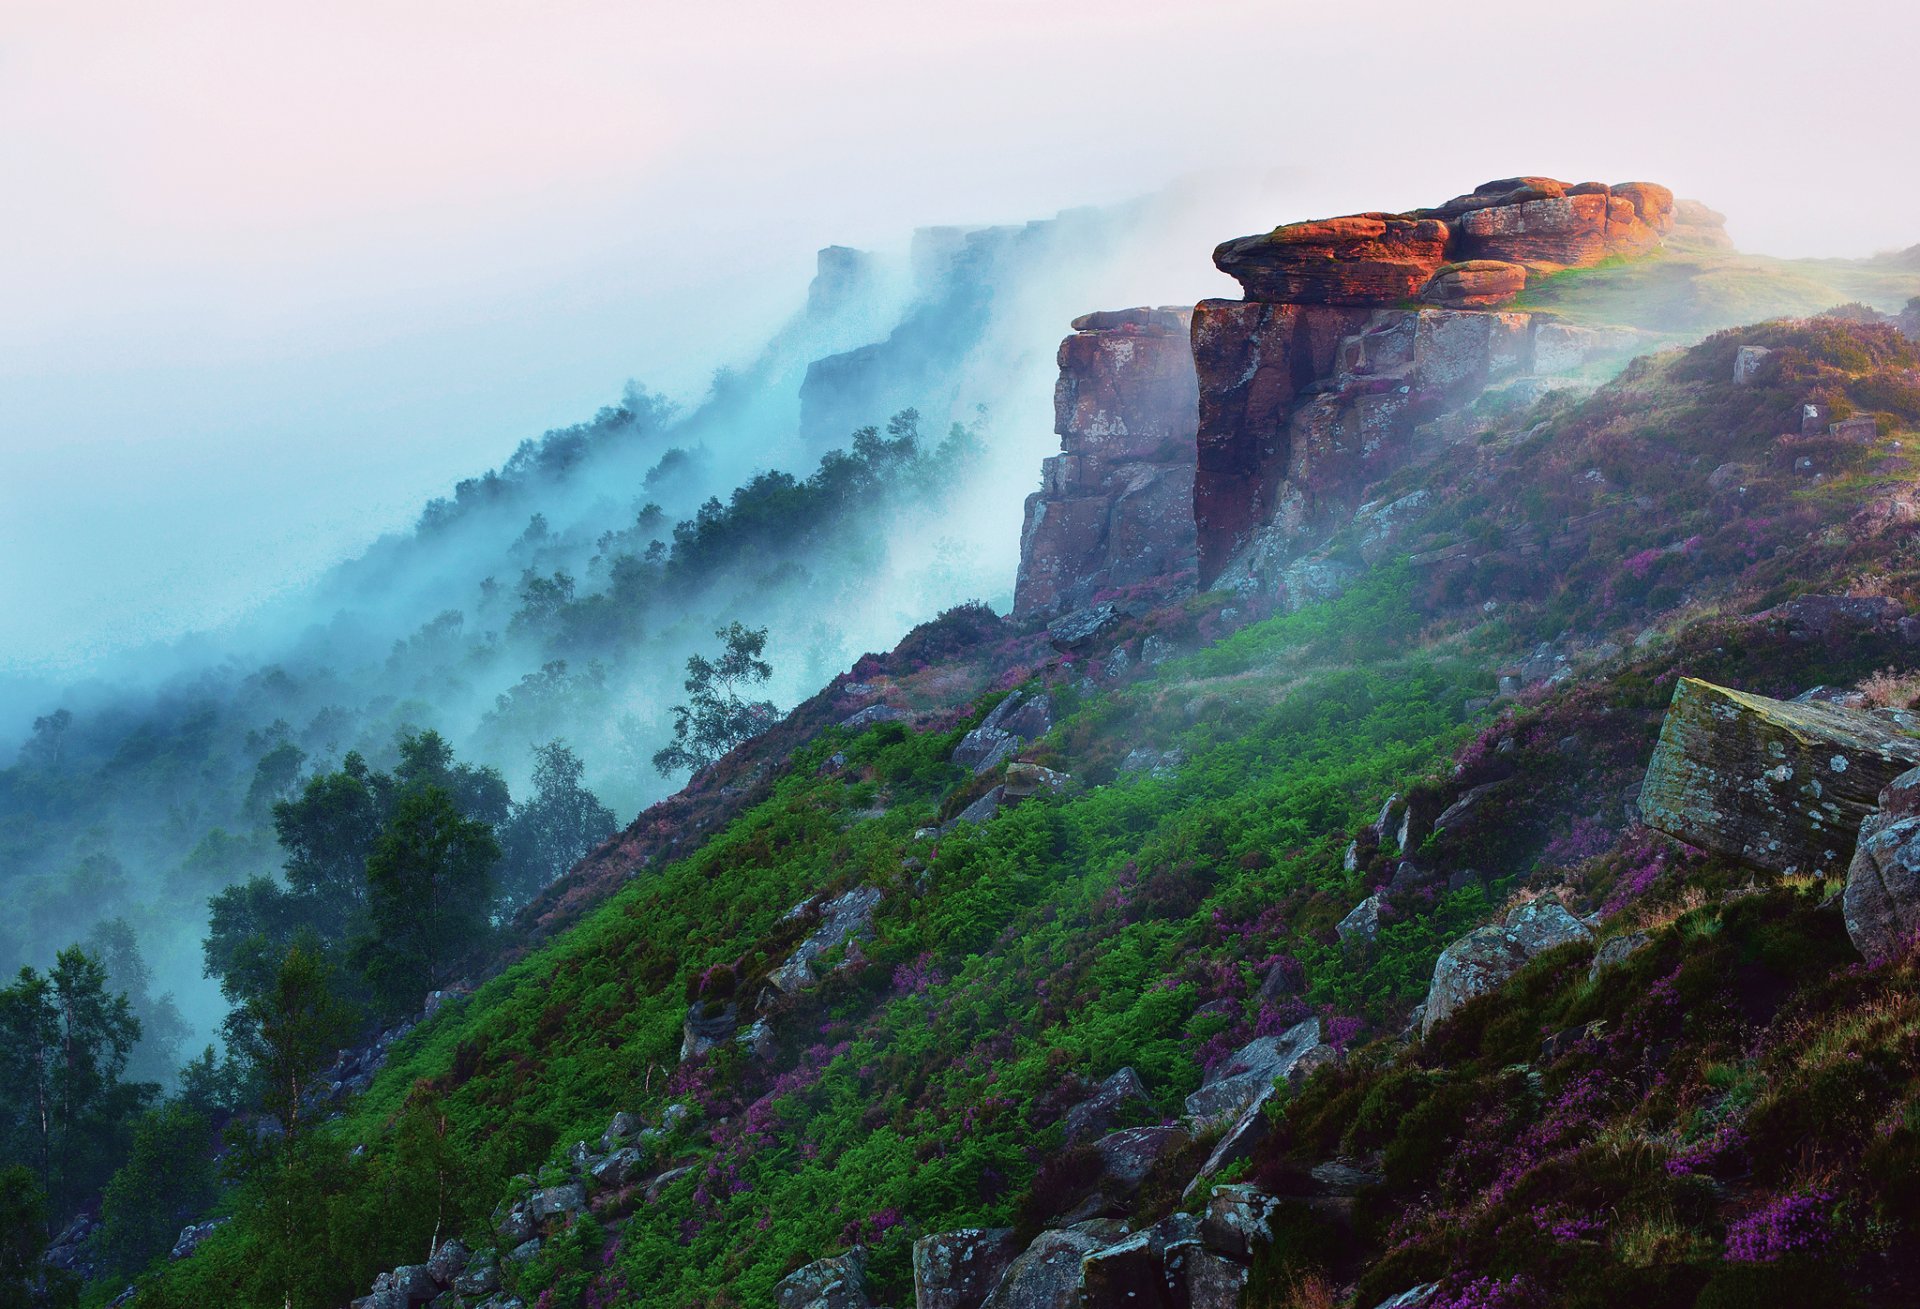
273, 274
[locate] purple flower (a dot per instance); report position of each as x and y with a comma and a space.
1785, 1226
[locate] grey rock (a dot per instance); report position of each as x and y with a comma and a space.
1240, 1139
1133, 1272
1127, 1156
1346, 1176
1047, 1274
658, 1185
1083, 626
448, 1262
557, 1202
623, 1126
192, 1235
619, 1169
1360, 929
1026, 780
525, 1252
1418, 1297
1617, 950
982, 809
872, 715
843, 918
1780, 787
1487, 956
1208, 1280
702, 1031
1881, 903
1249, 1073
515, 1227
410, 1283
1238, 1221
480, 1277
1109, 1102
958, 1270
838, 1282
1746, 363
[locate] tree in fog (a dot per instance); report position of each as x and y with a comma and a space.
716, 716
549, 831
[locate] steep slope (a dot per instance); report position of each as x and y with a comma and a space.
889, 998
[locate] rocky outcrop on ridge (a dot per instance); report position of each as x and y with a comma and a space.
1324, 378
1115, 508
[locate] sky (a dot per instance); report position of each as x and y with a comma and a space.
273, 275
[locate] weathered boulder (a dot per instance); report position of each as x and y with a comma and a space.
1238, 1221
1696, 225
448, 1262
619, 1169
1578, 227
623, 1127
481, 1276
1247, 1076
1362, 259
192, 1235
957, 1270
873, 715
1128, 1155
1487, 956
556, 1203
1134, 1273
838, 1282
843, 918
1746, 363
707, 1025
1027, 780
1475, 284
1414, 1297
1780, 786
1616, 950
1047, 1274
1013, 722
1360, 929
1121, 1094
1082, 627
1881, 904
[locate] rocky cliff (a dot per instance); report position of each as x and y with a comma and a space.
1360, 337
1115, 508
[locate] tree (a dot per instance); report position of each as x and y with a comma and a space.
24, 1280
547, 833
162, 1028
428, 885
64, 1042
327, 832
291, 1030
167, 1182
716, 718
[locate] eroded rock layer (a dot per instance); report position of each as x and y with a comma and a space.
1115, 509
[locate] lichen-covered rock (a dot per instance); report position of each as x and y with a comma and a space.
1361, 259
1239, 1220
1120, 1094
1047, 1274
1249, 1073
1135, 1272
1128, 1155
1616, 950
619, 1169
706, 1026
1475, 284
1881, 904
838, 1282
958, 1270
1779, 786
842, 919
480, 1277
1361, 927
448, 1262
1012, 723
553, 1203
1487, 956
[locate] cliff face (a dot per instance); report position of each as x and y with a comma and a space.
1115, 508
1328, 375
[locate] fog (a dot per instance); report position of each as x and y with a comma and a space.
277, 281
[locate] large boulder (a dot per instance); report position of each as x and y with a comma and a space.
838, 1282
1248, 1075
958, 1270
1128, 1155
1048, 1274
1361, 259
1012, 723
1487, 956
1780, 786
1136, 1272
1119, 1095
1881, 904
1548, 225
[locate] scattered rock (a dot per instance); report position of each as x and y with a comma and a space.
1781, 787
1110, 1102
957, 1270
872, 715
1127, 1156
838, 1282
1248, 1075
192, 1235
1239, 1221
845, 917
1360, 929
1027, 780
556, 1203
1047, 1274
1487, 956
619, 1169
448, 1262
481, 1276
706, 1026
1015, 721
1418, 1297
1746, 364
1881, 904
1617, 950
1082, 627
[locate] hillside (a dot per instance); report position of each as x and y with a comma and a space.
1278, 908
